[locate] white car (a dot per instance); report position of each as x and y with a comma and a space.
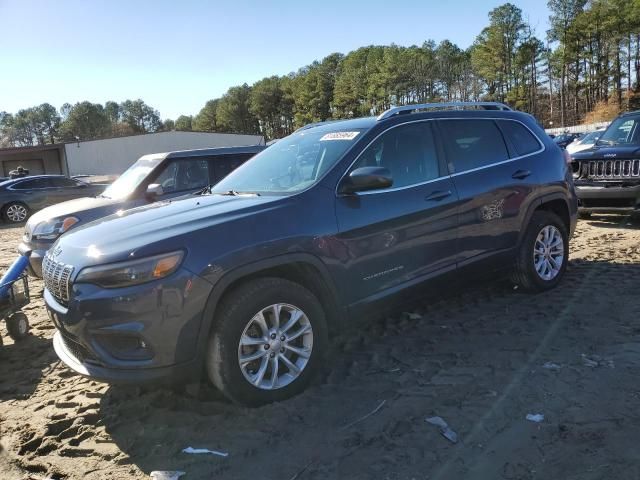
588, 141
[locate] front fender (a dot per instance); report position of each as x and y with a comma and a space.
247, 270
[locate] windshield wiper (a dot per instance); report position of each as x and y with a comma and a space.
234, 193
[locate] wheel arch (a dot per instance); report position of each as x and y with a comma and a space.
305, 269
555, 203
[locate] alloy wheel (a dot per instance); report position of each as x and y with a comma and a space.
548, 253
275, 346
17, 213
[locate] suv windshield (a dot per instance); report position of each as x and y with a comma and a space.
131, 178
621, 131
291, 164
590, 138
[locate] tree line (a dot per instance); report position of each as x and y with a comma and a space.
82, 121
589, 56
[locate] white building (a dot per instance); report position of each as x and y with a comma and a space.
113, 156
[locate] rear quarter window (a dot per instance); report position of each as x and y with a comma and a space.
522, 140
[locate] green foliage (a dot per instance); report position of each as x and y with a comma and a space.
207, 120
233, 113
85, 121
183, 123
139, 116
271, 102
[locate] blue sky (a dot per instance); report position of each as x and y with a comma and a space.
176, 55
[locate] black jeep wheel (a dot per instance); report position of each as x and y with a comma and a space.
267, 342
544, 253
18, 326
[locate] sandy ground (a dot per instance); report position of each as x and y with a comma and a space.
482, 360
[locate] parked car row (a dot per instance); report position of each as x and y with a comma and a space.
246, 279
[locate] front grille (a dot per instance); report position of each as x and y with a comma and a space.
56, 277
611, 169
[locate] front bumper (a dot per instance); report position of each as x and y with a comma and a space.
142, 334
608, 197
35, 260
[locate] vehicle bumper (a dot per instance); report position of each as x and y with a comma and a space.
35, 260
142, 334
595, 197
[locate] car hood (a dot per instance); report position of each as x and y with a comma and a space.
79, 207
603, 152
153, 228
579, 147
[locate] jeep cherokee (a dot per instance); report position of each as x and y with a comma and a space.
607, 176
248, 279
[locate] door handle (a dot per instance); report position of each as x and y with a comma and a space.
438, 195
521, 174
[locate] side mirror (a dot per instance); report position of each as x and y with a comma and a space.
154, 190
366, 178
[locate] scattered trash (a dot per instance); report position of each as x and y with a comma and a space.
594, 361
166, 475
375, 410
535, 417
551, 366
445, 430
204, 450
413, 315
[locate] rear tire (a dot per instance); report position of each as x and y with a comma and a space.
247, 344
18, 326
544, 253
15, 212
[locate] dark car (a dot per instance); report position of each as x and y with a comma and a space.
20, 197
565, 139
247, 279
607, 176
153, 177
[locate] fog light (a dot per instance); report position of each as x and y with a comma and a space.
125, 347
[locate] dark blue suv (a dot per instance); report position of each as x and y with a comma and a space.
249, 278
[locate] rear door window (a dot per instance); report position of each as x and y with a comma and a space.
521, 138
61, 182
471, 144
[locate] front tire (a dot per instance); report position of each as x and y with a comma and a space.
268, 341
15, 212
544, 253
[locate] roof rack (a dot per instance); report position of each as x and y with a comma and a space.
442, 105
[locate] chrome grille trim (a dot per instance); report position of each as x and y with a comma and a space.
56, 278
611, 169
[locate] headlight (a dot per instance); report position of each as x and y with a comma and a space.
133, 272
52, 229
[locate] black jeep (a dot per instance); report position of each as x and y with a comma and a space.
607, 176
